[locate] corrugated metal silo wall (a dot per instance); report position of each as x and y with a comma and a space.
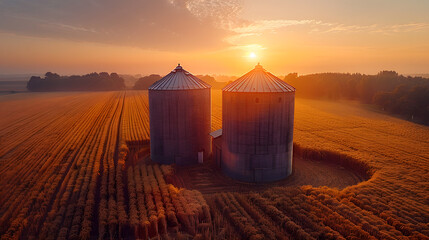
257, 135
180, 123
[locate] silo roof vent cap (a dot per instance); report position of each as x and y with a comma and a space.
259, 67
178, 68
258, 80
179, 79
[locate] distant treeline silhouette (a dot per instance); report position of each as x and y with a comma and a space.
144, 83
102, 81
212, 81
394, 93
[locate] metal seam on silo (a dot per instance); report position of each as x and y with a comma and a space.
234, 86
243, 84
250, 84
162, 82
264, 86
277, 83
165, 82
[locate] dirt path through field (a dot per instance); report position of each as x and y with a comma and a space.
208, 179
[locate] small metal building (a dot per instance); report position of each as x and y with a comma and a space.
257, 127
180, 118
217, 146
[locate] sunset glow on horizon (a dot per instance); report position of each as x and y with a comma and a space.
214, 36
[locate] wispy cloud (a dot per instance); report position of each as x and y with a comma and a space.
346, 28
377, 28
178, 25
163, 24
270, 25
410, 27
249, 47
245, 33
261, 26
223, 13
73, 28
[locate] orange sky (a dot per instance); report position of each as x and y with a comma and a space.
214, 36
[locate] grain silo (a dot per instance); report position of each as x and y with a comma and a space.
180, 118
257, 127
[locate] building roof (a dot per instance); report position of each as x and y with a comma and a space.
216, 133
179, 79
258, 80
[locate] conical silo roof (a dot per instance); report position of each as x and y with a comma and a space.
258, 80
179, 79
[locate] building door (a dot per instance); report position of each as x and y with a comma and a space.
200, 157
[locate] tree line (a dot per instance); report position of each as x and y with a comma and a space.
145, 82
102, 81
391, 92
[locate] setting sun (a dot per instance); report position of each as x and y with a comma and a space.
252, 55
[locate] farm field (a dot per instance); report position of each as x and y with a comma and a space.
392, 204
65, 175
75, 166
9, 87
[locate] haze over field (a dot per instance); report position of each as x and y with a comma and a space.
214, 37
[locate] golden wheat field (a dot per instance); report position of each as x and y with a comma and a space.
75, 166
